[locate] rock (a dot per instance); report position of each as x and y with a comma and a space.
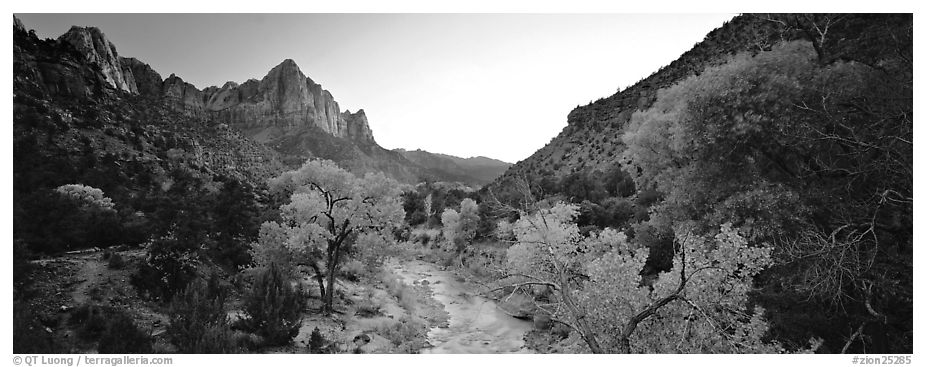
147, 81
96, 48
18, 25
362, 339
63, 308
542, 322
182, 96
284, 100
425, 282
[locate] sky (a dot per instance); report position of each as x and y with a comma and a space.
495, 85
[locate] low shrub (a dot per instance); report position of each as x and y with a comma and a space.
89, 320
367, 307
123, 336
198, 321
408, 335
167, 270
398, 289
274, 307
352, 270
29, 336
318, 344
116, 261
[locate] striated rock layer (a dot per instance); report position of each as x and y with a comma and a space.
283, 101
94, 45
285, 110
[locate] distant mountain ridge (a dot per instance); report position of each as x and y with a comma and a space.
285, 110
474, 170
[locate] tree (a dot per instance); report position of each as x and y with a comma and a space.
89, 198
450, 220
804, 150
328, 208
699, 306
460, 228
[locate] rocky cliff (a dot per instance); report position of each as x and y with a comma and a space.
285, 110
94, 45
282, 101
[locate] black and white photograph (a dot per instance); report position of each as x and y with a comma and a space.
461, 183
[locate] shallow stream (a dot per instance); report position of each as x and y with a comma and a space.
477, 325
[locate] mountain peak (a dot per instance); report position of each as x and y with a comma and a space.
96, 48
18, 24
287, 66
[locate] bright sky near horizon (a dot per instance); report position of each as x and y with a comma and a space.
496, 85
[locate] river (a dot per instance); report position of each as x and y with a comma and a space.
476, 324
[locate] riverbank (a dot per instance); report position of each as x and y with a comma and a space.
476, 324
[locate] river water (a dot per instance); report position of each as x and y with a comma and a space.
476, 324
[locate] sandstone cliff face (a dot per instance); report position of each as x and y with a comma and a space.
284, 100
94, 45
285, 110
46, 66
182, 96
356, 127
147, 81
18, 25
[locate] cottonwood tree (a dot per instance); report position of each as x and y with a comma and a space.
87, 197
460, 228
328, 209
813, 157
699, 306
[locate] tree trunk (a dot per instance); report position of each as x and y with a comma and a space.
320, 278
333, 258
329, 296
581, 324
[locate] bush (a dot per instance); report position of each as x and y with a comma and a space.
28, 334
407, 335
89, 320
22, 269
220, 339
274, 307
198, 321
168, 270
398, 289
352, 270
367, 307
123, 336
116, 261
317, 343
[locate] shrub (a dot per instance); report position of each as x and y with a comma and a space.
219, 339
22, 269
28, 334
274, 307
352, 270
116, 261
317, 343
406, 334
123, 336
89, 320
168, 270
198, 322
367, 307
